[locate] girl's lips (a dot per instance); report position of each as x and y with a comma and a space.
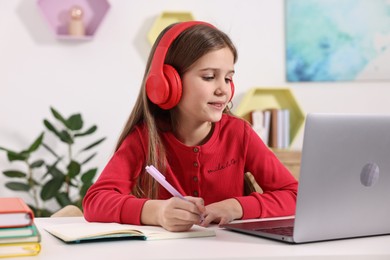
217, 105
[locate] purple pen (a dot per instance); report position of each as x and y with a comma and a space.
161, 179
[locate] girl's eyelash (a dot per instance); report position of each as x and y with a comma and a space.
208, 77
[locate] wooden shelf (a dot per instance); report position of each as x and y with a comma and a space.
57, 15
268, 98
165, 19
291, 159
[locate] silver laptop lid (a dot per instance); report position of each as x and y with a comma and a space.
344, 188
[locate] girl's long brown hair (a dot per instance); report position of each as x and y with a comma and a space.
186, 49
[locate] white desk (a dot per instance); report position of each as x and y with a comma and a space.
226, 245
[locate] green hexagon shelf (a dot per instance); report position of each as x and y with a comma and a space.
265, 98
165, 19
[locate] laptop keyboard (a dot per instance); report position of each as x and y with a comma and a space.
284, 231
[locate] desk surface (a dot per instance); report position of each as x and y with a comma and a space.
226, 245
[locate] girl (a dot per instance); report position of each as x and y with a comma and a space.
182, 125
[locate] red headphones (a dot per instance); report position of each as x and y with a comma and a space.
163, 84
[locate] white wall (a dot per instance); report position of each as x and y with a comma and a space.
101, 78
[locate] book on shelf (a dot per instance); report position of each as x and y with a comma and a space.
19, 249
286, 128
93, 231
20, 235
14, 212
260, 120
273, 126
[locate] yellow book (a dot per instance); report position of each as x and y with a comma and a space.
90, 231
19, 249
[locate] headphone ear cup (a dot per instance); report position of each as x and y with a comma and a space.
232, 90
174, 87
157, 88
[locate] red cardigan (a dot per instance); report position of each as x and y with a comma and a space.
213, 171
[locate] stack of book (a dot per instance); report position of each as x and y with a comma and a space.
18, 233
273, 126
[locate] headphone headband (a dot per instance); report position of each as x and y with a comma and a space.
166, 41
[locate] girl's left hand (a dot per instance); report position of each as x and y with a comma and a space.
222, 212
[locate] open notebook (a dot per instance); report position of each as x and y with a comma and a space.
93, 231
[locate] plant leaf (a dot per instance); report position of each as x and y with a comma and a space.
33, 209
63, 135
51, 188
36, 144
50, 127
15, 156
63, 199
84, 188
66, 137
44, 213
34, 182
14, 174
79, 203
74, 122
41, 212
87, 178
73, 169
51, 150
91, 130
58, 116
37, 164
93, 144
22, 156
89, 158
73, 184
17, 186
54, 171
89, 175
6, 150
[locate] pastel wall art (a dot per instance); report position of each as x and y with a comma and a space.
337, 40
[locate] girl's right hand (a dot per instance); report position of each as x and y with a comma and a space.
173, 214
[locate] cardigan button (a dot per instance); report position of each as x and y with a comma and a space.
196, 149
196, 164
195, 178
196, 194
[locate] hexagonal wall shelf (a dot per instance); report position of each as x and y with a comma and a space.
58, 15
165, 19
266, 98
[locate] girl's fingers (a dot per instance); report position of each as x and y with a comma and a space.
182, 211
198, 202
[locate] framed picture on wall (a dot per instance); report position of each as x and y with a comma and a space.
337, 40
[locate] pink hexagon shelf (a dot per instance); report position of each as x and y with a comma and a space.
59, 16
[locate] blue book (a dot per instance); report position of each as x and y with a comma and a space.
18, 235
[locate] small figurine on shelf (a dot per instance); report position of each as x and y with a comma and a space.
76, 25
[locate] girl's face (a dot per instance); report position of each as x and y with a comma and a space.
207, 87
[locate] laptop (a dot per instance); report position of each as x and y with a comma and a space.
344, 183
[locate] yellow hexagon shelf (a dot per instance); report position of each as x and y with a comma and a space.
165, 19
268, 98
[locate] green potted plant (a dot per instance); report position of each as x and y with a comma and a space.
62, 177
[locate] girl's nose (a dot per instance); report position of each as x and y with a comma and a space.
223, 87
